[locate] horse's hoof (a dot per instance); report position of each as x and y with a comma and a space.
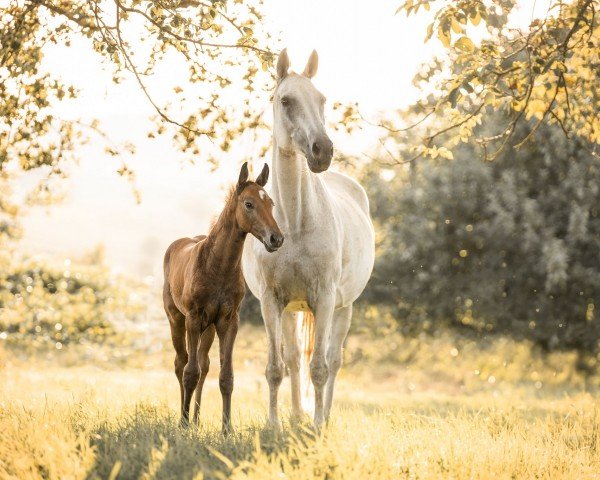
274, 425
299, 418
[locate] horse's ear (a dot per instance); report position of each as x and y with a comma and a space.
311, 66
243, 178
283, 64
264, 176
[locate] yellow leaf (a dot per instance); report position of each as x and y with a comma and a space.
445, 39
456, 26
465, 44
445, 153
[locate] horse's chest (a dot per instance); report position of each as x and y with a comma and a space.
296, 270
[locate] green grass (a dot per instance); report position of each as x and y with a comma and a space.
92, 420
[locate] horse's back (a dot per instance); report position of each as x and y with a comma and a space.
347, 189
358, 244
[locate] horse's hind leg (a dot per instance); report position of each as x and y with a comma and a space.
206, 340
339, 330
177, 323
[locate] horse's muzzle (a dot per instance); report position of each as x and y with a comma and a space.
321, 153
273, 242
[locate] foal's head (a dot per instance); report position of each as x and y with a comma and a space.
254, 209
298, 110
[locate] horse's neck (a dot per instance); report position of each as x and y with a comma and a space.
223, 246
295, 189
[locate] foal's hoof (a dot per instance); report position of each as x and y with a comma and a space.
184, 423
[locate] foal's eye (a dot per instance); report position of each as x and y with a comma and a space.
248, 205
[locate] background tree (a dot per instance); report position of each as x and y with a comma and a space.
548, 73
510, 246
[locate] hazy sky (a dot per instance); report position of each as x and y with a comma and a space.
366, 54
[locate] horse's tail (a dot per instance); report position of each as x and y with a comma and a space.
306, 334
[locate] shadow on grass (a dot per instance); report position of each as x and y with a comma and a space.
148, 443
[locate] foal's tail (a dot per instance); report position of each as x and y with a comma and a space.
306, 334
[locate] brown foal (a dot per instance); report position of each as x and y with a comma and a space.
204, 287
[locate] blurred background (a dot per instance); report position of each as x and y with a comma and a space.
123, 123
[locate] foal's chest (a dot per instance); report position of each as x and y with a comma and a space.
218, 300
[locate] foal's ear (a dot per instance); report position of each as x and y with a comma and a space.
243, 178
263, 177
283, 64
311, 66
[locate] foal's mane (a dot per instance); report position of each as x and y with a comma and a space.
225, 218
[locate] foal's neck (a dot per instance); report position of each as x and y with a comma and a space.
225, 242
294, 189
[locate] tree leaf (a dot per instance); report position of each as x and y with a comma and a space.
465, 44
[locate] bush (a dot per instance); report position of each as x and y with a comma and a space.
52, 305
511, 245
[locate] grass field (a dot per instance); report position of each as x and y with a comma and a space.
438, 414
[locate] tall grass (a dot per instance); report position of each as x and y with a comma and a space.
88, 422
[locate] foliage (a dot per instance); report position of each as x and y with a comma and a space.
217, 41
511, 245
548, 73
52, 306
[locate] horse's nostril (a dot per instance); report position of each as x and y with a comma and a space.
315, 149
276, 240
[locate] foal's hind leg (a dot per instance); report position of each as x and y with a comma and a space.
339, 330
177, 323
191, 371
206, 340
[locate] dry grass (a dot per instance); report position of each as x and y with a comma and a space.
114, 422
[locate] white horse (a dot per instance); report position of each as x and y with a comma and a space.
329, 250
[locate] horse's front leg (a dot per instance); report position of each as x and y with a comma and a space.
271, 312
227, 328
291, 357
339, 331
319, 370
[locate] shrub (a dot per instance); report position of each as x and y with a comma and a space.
511, 245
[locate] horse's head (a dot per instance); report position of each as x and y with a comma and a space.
298, 111
254, 209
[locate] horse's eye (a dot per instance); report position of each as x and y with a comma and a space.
248, 205
285, 101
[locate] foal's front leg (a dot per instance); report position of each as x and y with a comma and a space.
206, 340
191, 372
227, 328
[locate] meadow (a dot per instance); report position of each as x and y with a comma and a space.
435, 407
